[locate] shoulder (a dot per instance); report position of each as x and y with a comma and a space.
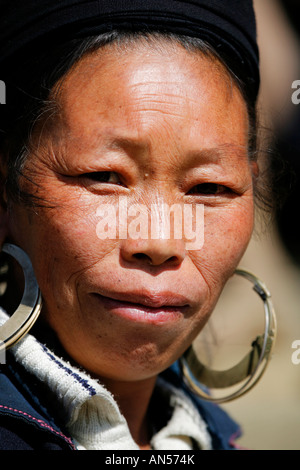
222, 428
24, 423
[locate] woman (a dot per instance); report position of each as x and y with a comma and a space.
110, 105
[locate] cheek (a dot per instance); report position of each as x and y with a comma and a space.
227, 232
62, 242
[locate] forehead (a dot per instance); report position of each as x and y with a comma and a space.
127, 91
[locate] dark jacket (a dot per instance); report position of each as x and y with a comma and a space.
29, 421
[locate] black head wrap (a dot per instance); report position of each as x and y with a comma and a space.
228, 25
38, 39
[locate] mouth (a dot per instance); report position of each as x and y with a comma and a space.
145, 307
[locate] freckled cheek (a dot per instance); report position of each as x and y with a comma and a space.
226, 237
64, 243
80, 237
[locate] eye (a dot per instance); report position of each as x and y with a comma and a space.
110, 177
209, 189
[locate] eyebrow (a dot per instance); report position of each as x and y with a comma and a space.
203, 156
214, 154
127, 142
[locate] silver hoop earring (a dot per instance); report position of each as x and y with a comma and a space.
18, 325
249, 370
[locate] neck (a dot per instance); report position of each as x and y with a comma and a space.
133, 399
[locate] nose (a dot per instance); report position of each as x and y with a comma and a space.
153, 252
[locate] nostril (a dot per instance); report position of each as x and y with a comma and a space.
142, 256
172, 259
153, 260
153, 252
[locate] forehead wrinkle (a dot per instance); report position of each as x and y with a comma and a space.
147, 106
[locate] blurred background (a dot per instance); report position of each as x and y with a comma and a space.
270, 413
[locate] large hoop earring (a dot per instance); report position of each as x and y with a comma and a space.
249, 370
18, 325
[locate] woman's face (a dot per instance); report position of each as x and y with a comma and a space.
152, 126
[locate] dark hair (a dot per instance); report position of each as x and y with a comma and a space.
28, 99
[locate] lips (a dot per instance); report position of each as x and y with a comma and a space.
144, 306
148, 299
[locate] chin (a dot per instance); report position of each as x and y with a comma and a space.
134, 364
